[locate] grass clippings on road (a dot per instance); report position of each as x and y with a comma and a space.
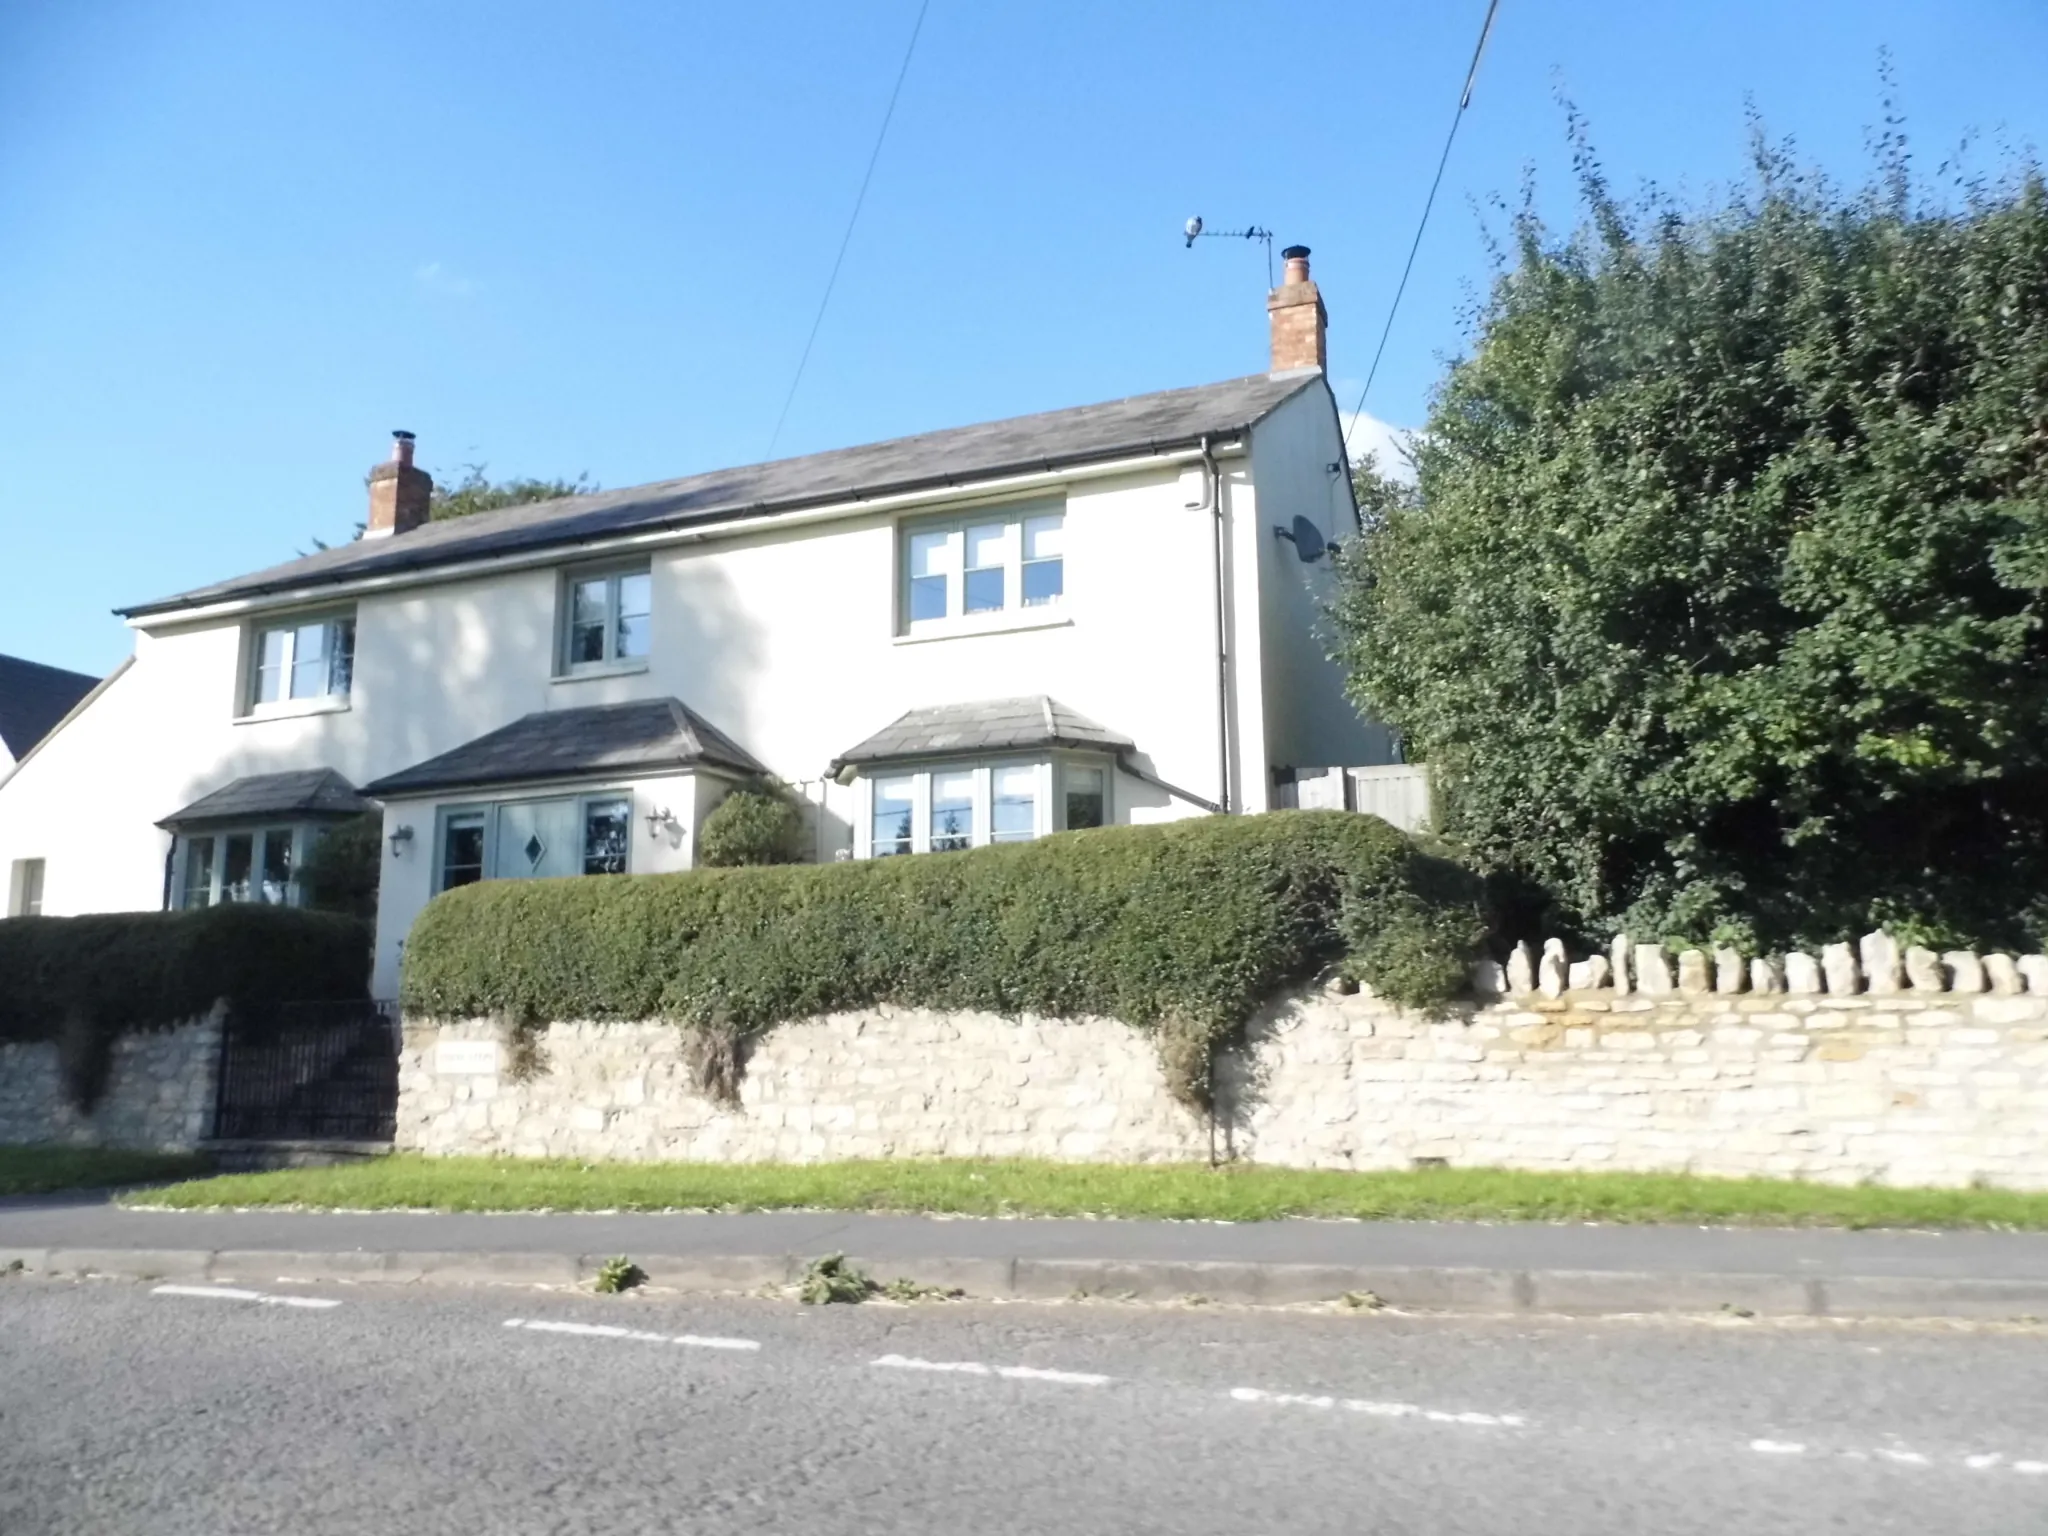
1190, 1192
42, 1170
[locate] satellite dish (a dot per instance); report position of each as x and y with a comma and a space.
1309, 542
1194, 228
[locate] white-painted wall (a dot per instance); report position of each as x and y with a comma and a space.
787, 640
1308, 720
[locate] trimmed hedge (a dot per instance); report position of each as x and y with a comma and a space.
85, 981
1183, 929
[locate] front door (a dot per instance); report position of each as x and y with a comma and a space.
537, 838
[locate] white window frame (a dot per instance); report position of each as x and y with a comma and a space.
27, 886
1048, 798
612, 575
489, 809
335, 621
1011, 517
300, 836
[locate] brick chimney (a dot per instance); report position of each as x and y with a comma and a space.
1299, 321
399, 493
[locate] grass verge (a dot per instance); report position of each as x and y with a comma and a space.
1174, 1191
40, 1170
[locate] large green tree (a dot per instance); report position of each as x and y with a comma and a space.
1717, 602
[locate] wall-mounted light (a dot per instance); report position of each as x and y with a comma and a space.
400, 836
660, 820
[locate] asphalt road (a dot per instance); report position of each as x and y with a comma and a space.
127, 1408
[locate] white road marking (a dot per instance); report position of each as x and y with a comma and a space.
1066, 1378
1980, 1461
976, 1368
234, 1293
1379, 1410
607, 1331
907, 1363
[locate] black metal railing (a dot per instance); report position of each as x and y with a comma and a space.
309, 1072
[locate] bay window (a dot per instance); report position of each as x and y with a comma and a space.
949, 807
953, 796
254, 864
894, 808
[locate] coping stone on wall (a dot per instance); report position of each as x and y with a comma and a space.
1838, 966
1693, 980
1883, 973
1966, 971
1924, 970
1653, 971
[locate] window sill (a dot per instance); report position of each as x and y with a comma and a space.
296, 709
597, 669
1004, 624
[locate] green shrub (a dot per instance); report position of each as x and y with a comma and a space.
1182, 930
751, 826
85, 981
344, 866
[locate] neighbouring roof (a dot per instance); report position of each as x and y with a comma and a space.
1177, 418
648, 734
33, 698
990, 725
304, 792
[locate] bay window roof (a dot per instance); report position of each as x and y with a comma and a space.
981, 728
644, 736
306, 792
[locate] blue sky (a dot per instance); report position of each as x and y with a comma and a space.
241, 242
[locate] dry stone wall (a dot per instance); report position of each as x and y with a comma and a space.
888, 1083
159, 1094
1682, 1067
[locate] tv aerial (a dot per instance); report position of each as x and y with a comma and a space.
1194, 231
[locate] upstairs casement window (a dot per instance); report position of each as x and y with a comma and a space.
301, 661
1003, 565
606, 618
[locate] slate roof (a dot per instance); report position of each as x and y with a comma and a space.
645, 735
1177, 418
990, 725
33, 698
304, 792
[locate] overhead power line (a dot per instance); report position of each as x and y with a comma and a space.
847, 239
1457, 117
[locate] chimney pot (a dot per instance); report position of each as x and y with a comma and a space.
1300, 323
401, 494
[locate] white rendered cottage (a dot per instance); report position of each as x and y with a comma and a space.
1100, 615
